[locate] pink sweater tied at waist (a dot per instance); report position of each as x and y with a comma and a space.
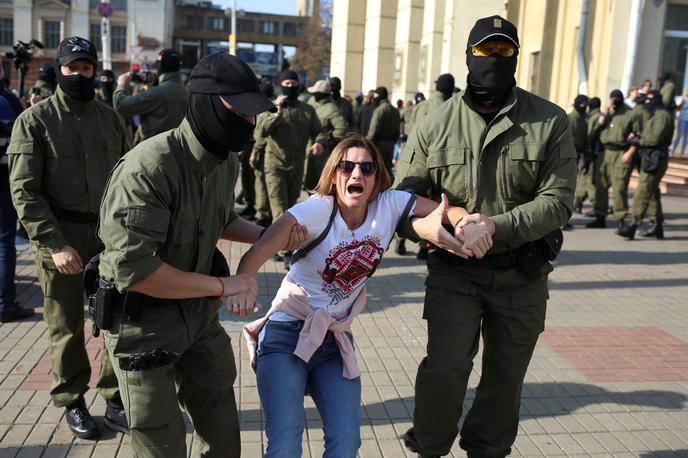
293, 300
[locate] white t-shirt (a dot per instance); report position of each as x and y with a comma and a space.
333, 273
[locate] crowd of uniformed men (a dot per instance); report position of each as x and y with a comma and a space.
62, 150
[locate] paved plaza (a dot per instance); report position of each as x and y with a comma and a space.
609, 376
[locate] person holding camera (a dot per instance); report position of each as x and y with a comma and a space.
60, 156
166, 205
507, 156
161, 107
281, 140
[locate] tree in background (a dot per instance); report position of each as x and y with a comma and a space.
313, 55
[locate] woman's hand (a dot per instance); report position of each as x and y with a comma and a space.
430, 228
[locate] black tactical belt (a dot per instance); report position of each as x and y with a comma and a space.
494, 262
615, 147
74, 217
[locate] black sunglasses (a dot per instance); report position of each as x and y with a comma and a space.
367, 168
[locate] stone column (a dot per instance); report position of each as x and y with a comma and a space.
378, 47
430, 59
348, 31
79, 20
407, 49
23, 22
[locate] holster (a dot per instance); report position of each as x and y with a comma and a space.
532, 255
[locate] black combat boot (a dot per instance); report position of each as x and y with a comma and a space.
629, 231
400, 247
599, 221
578, 206
80, 422
115, 418
621, 227
412, 445
655, 231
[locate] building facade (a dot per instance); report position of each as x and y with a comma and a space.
406, 44
138, 29
263, 40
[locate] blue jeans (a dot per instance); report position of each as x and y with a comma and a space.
681, 136
8, 252
283, 380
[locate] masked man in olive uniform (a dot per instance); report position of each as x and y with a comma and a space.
346, 109
166, 205
334, 127
61, 153
384, 126
596, 152
105, 84
507, 156
579, 131
616, 123
286, 135
652, 145
161, 107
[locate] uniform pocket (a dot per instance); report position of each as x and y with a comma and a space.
449, 172
520, 172
183, 232
152, 397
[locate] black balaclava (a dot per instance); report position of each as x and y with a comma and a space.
108, 87
47, 73
445, 85
653, 101
418, 98
292, 92
77, 86
580, 104
336, 86
217, 128
595, 103
617, 98
168, 60
318, 96
490, 78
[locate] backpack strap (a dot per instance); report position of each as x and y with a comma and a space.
407, 210
302, 252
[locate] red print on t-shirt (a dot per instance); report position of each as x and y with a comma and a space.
349, 265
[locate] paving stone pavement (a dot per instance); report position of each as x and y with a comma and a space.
608, 378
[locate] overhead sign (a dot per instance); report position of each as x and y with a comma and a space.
104, 9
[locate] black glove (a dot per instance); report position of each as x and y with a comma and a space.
586, 166
635, 141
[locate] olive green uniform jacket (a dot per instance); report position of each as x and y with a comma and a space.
161, 107
168, 201
668, 93
579, 132
60, 155
422, 109
335, 128
384, 130
346, 109
515, 170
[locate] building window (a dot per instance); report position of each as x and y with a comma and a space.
51, 34
94, 36
291, 29
194, 22
217, 23
118, 38
269, 27
6, 31
246, 26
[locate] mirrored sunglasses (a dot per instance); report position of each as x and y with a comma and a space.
367, 168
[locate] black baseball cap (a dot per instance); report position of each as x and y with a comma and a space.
492, 27
76, 48
381, 91
233, 80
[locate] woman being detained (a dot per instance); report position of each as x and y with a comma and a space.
304, 343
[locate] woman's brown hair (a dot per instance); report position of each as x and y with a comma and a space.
326, 184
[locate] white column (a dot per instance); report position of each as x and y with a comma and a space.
430, 59
407, 49
79, 23
23, 20
378, 47
348, 31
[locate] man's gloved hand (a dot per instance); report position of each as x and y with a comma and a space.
586, 166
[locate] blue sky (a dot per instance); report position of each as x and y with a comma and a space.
262, 6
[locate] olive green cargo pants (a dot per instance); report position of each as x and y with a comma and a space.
314, 167
200, 380
284, 188
63, 310
261, 195
584, 183
616, 173
460, 304
647, 198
